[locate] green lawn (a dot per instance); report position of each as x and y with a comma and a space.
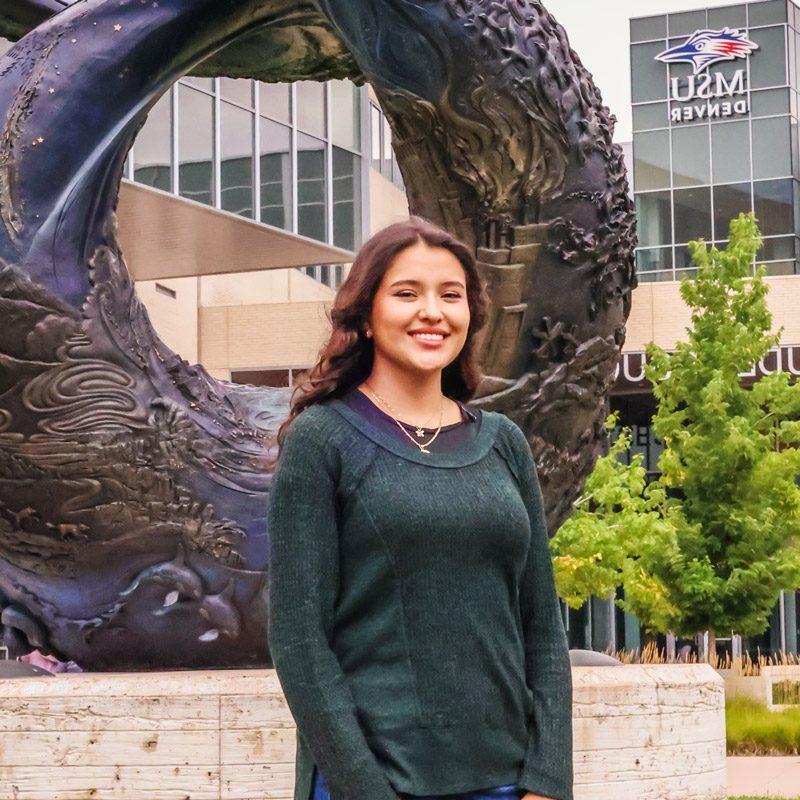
754, 731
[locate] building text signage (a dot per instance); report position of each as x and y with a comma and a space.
707, 94
629, 375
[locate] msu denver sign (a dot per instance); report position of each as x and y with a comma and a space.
719, 95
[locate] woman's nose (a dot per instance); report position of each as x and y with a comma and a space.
431, 309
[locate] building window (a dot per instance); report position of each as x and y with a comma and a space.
646, 28
729, 201
346, 198
387, 160
345, 115
654, 259
773, 207
769, 69
654, 215
732, 16
686, 22
275, 101
383, 159
651, 162
196, 145
683, 258
691, 158
768, 12
645, 443
649, 80
772, 148
236, 160
692, 210
376, 129
730, 146
769, 103
276, 174
152, 155
206, 84
311, 219
778, 248
239, 90
311, 108
652, 115
332, 275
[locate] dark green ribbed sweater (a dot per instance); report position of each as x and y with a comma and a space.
413, 619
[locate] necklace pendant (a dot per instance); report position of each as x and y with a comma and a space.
420, 433
423, 450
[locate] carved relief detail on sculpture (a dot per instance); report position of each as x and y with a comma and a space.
15, 134
133, 485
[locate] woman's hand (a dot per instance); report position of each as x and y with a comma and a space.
532, 796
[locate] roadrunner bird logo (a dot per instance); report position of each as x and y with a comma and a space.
704, 48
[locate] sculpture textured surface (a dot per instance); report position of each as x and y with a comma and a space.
133, 486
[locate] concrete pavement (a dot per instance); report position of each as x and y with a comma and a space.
764, 776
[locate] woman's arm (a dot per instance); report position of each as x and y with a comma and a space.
547, 770
303, 586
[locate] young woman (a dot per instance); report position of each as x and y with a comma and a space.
413, 619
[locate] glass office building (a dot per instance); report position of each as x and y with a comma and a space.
274, 153
715, 106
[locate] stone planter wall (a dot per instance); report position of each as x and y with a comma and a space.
759, 687
649, 732
640, 732
159, 736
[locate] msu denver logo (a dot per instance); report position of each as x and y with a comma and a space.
704, 48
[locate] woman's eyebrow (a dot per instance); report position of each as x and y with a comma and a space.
419, 283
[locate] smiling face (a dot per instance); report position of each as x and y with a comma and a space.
420, 314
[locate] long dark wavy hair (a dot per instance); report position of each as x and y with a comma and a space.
346, 359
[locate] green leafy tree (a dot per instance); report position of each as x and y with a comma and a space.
727, 501
616, 534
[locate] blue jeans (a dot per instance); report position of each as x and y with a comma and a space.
509, 792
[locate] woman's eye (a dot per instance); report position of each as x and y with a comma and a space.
409, 293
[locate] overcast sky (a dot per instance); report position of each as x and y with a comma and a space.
599, 33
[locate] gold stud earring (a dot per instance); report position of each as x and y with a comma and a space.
368, 333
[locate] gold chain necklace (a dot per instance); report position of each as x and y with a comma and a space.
421, 445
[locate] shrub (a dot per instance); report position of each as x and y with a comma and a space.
752, 730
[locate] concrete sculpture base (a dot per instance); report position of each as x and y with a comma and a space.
649, 732
640, 732
160, 736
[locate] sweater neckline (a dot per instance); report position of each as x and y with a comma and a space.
473, 416
469, 453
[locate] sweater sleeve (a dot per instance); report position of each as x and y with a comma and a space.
547, 769
303, 587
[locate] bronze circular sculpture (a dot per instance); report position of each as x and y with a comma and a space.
133, 486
